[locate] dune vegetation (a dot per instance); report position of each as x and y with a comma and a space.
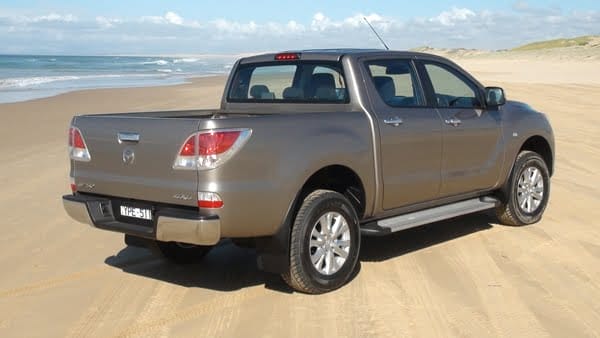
582, 41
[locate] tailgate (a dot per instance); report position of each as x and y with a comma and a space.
139, 170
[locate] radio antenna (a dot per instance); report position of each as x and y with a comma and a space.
376, 34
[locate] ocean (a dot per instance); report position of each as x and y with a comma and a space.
26, 77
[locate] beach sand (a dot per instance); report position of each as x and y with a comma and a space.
463, 277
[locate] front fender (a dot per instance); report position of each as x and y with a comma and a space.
521, 123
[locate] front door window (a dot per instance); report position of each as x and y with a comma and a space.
450, 90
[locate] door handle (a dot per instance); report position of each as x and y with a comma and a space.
453, 122
394, 121
128, 137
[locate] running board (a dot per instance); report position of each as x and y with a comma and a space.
417, 218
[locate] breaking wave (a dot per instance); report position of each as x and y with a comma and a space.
186, 60
25, 82
156, 62
34, 81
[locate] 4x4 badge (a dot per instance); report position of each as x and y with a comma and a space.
182, 197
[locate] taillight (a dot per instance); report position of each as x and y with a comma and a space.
209, 149
209, 200
217, 143
77, 148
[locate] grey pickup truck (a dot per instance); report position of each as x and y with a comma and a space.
309, 151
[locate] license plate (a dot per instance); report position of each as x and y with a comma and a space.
134, 212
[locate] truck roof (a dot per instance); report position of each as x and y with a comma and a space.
333, 54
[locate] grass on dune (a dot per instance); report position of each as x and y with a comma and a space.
558, 43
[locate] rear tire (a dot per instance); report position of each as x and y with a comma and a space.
527, 191
324, 244
181, 253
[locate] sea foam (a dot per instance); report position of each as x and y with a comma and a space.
156, 62
24, 82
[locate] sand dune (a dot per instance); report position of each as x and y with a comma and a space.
467, 276
578, 49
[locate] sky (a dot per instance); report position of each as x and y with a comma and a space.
177, 27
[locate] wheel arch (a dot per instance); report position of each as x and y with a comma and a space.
540, 145
273, 250
339, 178
535, 143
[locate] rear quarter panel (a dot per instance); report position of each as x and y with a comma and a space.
259, 184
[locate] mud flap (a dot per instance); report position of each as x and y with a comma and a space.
273, 251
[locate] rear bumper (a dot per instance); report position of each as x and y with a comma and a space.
171, 224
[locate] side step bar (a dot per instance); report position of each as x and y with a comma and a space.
417, 218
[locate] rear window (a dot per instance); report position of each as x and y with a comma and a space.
293, 82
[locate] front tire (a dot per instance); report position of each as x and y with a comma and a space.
325, 243
527, 191
181, 253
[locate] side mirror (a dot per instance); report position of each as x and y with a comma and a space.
494, 96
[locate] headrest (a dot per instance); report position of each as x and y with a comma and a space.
257, 91
293, 93
385, 86
323, 80
325, 93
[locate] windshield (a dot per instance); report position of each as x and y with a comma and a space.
293, 82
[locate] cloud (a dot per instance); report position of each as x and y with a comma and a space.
226, 26
51, 17
522, 6
169, 18
173, 18
172, 33
107, 22
55, 17
294, 27
525, 8
320, 22
453, 16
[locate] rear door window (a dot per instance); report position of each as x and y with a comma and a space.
396, 82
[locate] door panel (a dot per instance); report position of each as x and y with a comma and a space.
472, 150
410, 133
472, 140
410, 155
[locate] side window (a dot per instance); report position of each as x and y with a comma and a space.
451, 90
395, 82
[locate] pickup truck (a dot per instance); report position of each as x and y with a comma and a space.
309, 151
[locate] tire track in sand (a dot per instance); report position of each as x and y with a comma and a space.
59, 281
51, 283
164, 301
93, 318
219, 302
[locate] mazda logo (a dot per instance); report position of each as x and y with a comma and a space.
128, 156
